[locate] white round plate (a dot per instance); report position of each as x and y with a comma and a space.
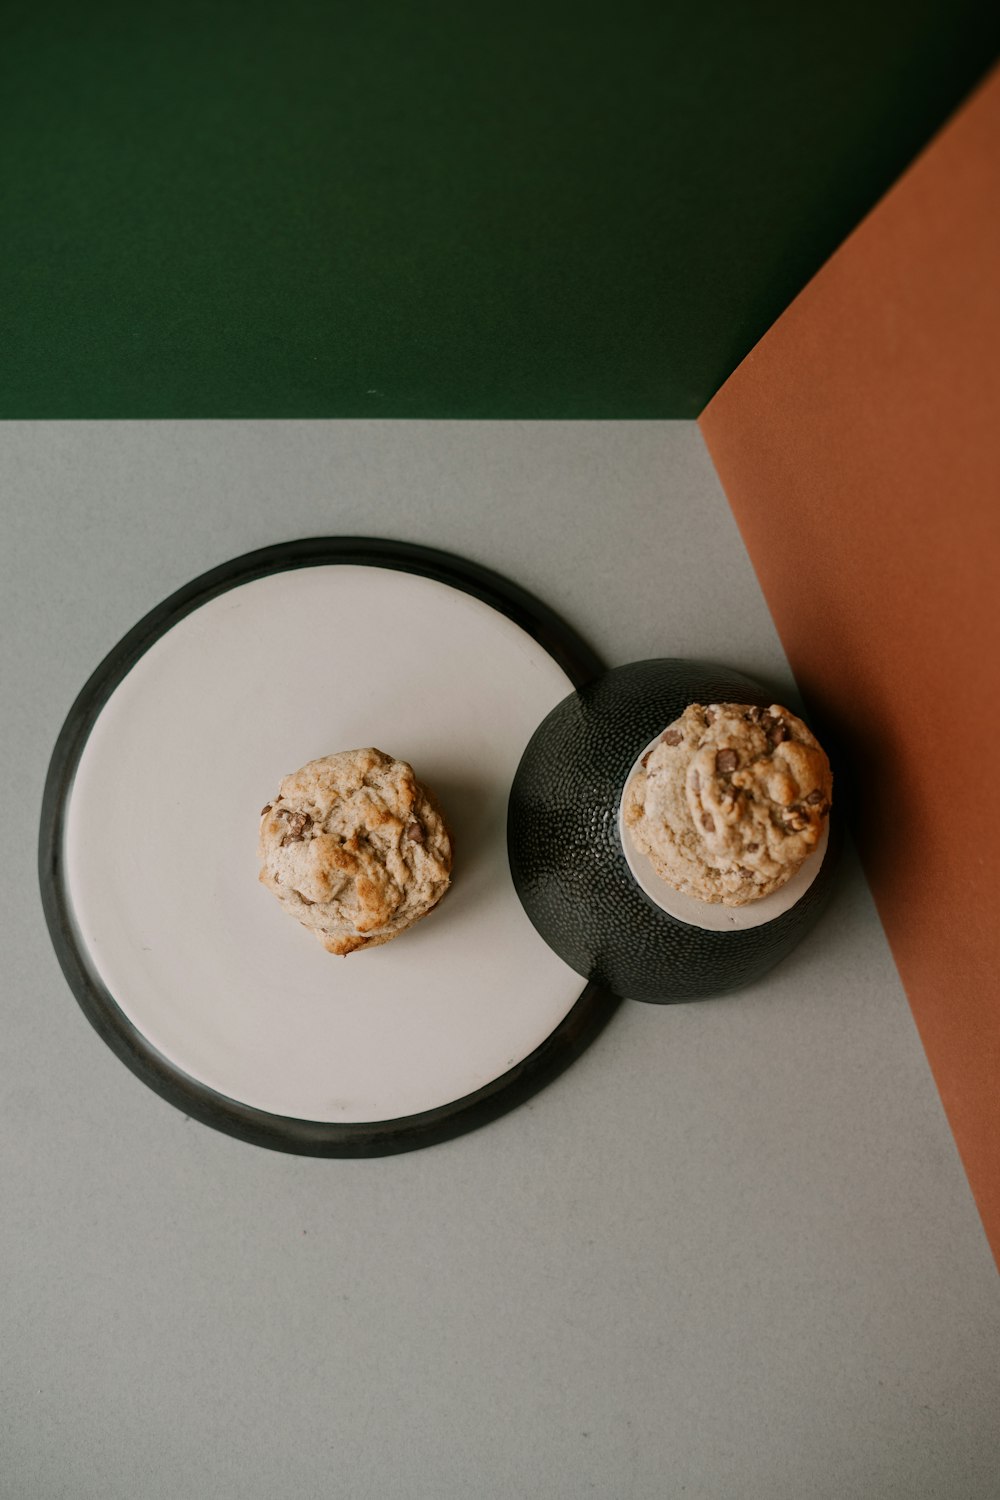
190, 969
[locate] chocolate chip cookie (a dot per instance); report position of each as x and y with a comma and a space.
731, 801
355, 848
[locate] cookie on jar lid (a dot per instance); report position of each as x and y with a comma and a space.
731, 801
355, 848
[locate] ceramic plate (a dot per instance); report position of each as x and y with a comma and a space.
190, 970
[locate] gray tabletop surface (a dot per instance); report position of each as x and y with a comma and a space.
730, 1253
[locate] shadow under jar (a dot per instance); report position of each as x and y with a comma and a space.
592, 901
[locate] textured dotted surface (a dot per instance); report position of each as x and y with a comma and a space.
566, 858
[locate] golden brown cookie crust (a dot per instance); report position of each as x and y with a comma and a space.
731, 801
355, 848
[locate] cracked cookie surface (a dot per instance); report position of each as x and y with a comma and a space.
731, 801
355, 848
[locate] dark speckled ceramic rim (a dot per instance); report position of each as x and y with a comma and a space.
281, 1132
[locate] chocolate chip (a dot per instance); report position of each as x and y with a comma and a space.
672, 737
415, 833
815, 797
777, 731
265, 809
726, 760
753, 714
299, 824
708, 822
752, 848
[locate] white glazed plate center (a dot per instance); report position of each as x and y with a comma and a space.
161, 830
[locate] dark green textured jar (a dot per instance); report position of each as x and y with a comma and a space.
565, 849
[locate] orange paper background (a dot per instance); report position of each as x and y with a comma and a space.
859, 446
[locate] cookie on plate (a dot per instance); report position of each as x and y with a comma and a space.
355, 848
731, 801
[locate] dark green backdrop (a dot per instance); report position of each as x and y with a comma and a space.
469, 210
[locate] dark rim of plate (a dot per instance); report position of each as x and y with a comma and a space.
574, 1033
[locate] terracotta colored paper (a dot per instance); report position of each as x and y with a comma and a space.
859, 445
